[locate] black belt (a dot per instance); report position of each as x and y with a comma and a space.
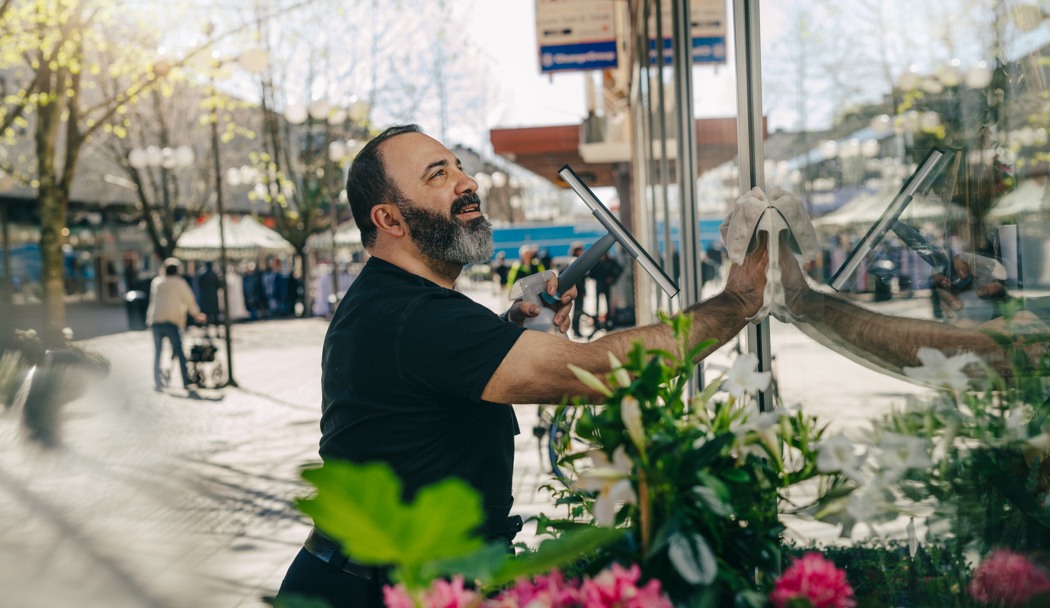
328, 551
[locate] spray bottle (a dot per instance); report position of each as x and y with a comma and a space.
533, 288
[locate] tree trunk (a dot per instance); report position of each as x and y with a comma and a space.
54, 209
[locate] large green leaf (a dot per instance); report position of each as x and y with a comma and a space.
693, 559
361, 507
557, 552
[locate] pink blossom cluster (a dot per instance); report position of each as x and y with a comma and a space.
815, 579
616, 587
1006, 578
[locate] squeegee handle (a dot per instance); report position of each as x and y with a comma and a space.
580, 267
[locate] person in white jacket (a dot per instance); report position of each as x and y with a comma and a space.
170, 301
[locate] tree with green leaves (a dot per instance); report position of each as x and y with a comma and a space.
56, 54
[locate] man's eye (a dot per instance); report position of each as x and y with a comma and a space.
437, 173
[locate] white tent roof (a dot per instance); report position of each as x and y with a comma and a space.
347, 236
245, 238
1028, 197
866, 208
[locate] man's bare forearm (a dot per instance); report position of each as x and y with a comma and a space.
720, 317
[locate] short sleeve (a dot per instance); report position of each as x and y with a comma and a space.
450, 345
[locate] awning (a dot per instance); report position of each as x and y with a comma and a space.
1028, 197
347, 236
245, 238
866, 208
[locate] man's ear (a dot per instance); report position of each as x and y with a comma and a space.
387, 218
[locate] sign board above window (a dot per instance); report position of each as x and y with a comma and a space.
576, 35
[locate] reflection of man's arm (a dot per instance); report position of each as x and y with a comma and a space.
873, 338
891, 342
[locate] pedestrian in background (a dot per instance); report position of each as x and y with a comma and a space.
208, 284
170, 301
605, 274
527, 264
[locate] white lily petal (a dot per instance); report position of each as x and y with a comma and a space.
622, 377
631, 413
590, 380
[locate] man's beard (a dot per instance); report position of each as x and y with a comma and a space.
444, 238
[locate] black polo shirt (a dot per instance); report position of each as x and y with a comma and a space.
404, 364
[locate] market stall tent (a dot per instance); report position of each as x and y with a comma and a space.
245, 238
866, 208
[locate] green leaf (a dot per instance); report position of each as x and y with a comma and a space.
480, 565
557, 552
360, 506
693, 559
710, 499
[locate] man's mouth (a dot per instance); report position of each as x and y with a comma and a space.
466, 206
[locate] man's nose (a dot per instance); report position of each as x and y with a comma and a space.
466, 184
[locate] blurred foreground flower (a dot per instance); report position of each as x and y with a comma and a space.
612, 481
441, 594
838, 454
618, 587
743, 377
815, 580
1006, 578
939, 370
550, 591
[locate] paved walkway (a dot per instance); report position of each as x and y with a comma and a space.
159, 500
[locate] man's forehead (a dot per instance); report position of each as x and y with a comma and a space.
410, 154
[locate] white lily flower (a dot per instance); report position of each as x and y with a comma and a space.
622, 377
942, 371
612, 481
742, 377
631, 413
67, 334
898, 453
1017, 420
590, 380
871, 502
839, 454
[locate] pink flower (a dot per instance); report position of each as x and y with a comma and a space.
397, 597
1008, 579
442, 594
815, 579
617, 588
551, 591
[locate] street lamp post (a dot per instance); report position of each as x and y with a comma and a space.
220, 209
253, 61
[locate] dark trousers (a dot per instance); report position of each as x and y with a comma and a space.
171, 332
308, 576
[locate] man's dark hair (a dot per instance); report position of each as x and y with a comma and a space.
368, 185
171, 270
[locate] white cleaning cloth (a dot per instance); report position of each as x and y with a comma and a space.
754, 213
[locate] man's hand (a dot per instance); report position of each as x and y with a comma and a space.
747, 281
520, 310
987, 275
200, 317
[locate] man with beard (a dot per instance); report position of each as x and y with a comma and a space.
418, 376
